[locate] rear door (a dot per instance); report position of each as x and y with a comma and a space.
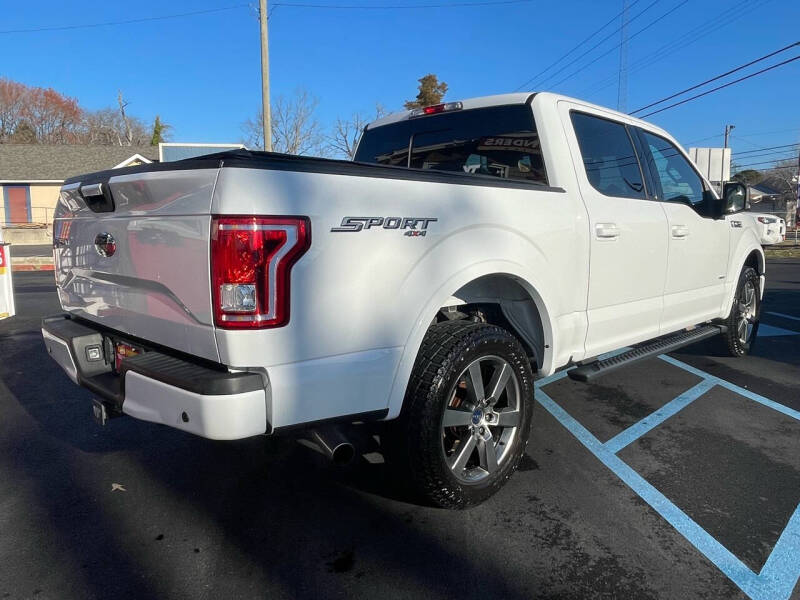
628, 231
698, 242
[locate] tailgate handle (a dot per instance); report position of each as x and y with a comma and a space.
95, 189
98, 197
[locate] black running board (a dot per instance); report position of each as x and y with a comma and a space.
654, 348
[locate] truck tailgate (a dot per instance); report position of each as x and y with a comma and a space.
132, 254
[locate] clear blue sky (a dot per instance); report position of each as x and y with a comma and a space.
201, 73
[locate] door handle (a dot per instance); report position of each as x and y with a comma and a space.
606, 231
680, 231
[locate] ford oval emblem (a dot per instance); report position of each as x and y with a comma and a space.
105, 244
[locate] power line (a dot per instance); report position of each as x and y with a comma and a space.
711, 137
590, 50
126, 22
563, 56
642, 30
401, 6
786, 154
274, 5
719, 87
744, 138
707, 81
792, 157
768, 132
759, 150
690, 37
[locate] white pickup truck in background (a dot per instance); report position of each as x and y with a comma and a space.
470, 247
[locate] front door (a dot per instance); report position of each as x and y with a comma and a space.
17, 205
698, 242
628, 233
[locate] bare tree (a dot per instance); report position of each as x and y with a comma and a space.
12, 103
295, 129
783, 177
343, 141
125, 121
30, 114
346, 133
106, 127
102, 127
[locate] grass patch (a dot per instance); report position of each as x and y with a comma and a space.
778, 252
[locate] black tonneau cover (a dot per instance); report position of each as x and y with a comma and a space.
253, 159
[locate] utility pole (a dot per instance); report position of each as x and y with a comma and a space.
267, 120
622, 85
728, 129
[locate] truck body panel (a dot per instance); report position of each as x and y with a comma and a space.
576, 268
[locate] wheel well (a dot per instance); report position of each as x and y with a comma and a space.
500, 300
754, 260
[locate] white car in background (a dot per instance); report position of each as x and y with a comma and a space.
770, 228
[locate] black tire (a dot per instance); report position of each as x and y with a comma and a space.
743, 320
454, 354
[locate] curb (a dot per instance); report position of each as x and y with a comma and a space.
28, 267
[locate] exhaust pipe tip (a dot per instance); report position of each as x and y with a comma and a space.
331, 442
343, 454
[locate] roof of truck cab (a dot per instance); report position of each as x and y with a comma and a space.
517, 98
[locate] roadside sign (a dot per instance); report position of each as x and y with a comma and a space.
6, 285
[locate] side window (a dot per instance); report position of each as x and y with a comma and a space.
679, 181
608, 156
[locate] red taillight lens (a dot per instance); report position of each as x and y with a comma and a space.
435, 109
762, 220
251, 260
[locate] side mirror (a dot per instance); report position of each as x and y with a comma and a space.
734, 197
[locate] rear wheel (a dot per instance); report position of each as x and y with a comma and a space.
745, 313
466, 415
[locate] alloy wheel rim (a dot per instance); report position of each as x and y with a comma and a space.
481, 419
747, 312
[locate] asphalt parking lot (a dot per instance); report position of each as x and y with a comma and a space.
678, 477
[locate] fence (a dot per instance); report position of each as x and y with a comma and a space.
40, 216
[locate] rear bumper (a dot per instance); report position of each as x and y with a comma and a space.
212, 403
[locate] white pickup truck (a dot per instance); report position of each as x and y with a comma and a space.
470, 247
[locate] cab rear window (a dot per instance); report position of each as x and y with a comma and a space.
498, 141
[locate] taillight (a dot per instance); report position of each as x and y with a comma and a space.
762, 220
251, 261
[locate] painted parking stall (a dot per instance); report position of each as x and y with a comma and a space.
779, 573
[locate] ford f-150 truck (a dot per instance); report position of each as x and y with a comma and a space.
469, 248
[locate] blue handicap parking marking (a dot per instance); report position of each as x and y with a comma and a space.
780, 572
765, 330
653, 420
782, 315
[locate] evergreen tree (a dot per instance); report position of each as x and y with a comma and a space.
431, 92
159, 131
